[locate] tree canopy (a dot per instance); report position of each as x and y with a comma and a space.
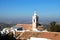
54, 27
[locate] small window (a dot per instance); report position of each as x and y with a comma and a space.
34, 20
19, 29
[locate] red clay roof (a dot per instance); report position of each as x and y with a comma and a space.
28, 26
25, 26
49, 35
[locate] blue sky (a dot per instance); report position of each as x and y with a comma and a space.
25, 8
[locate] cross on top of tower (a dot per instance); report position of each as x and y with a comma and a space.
35, 13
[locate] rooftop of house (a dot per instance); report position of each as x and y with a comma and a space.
48, 35
25, 26
28, 26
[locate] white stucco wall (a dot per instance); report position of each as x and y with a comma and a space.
33, 38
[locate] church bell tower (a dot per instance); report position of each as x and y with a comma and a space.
34, 21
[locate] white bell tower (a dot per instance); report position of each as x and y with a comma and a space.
34, 21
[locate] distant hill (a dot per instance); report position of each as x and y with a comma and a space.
28, 20
4, 25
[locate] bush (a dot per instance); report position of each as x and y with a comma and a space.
53, 27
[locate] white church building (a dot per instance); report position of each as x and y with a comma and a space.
25, 27
35, 24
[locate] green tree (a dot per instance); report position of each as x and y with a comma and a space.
53, 23
52, 26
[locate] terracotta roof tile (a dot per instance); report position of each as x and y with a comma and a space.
49, 35
25, 26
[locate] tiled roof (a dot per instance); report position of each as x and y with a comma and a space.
49, 35
25, 26
28, 26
